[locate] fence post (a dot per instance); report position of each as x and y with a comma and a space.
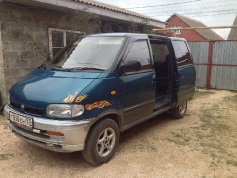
209, 65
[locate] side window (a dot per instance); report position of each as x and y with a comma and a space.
182, 53
140, 52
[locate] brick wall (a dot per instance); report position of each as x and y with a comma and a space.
189, 35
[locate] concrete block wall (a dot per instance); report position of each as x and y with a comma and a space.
2, 81
18, 24
19, 30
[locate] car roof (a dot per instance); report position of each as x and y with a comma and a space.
119, 34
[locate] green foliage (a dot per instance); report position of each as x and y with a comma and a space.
147, 28
80, 20
118, 27
133, 27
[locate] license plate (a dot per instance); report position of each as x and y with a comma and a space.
21, 121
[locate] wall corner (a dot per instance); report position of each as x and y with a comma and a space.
3, 93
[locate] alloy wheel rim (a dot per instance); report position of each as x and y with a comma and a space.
106, 142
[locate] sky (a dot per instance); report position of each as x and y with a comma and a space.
209, 12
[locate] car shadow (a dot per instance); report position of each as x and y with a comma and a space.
75, 160
141, 129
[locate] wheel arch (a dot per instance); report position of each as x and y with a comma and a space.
112, 114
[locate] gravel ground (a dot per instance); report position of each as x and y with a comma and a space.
203, 144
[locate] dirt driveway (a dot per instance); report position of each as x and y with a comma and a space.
203, 144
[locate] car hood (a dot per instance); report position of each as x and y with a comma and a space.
41, 87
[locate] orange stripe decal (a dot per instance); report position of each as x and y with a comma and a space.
97, 104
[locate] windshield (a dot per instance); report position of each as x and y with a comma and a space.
88, 53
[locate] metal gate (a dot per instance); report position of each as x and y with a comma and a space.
216, 64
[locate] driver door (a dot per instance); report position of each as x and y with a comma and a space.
138, 88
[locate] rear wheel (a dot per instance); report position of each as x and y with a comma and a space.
180, 111
101, 142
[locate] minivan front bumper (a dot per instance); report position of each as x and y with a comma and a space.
72, 139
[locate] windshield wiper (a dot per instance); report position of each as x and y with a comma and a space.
53, 67
85, 68
46, 66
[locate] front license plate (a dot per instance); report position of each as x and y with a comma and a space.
21, 121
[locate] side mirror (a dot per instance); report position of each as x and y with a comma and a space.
130, 66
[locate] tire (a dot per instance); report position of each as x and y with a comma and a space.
180, 111
101, 142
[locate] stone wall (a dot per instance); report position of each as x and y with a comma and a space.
24, 39
2, 81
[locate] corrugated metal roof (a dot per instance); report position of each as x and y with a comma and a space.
206, 33
233, 31
115, 8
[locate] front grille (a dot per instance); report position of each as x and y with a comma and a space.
27, 109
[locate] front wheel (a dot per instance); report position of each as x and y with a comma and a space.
101, 142
180, 111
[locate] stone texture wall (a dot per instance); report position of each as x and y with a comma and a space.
2, 81
24, 41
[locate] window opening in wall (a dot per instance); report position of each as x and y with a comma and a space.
59, 38
175, 31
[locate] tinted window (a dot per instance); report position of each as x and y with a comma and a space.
182, 53
139, 52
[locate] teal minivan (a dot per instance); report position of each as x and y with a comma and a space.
97, 87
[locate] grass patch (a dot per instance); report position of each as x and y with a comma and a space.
231, 99
215, 135
6, 156
202, 93
232, 162
179, 138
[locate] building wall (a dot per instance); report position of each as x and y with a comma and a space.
2, 81
24, 42
233, 31
189, 35
24, 33
23, 29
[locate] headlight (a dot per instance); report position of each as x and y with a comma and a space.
65, 110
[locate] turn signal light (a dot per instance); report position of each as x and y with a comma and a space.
55, 133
